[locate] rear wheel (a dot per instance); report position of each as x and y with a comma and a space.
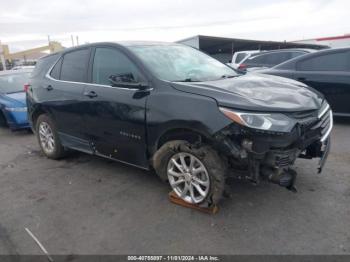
48, 138
195, 173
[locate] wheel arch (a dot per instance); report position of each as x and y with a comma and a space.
181, 133
35, 115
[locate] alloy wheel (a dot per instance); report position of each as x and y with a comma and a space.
46, 137
188, 177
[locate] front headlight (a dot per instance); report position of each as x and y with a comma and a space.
270, 121
16, 109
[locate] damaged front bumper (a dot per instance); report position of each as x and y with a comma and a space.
324, 154
257, 154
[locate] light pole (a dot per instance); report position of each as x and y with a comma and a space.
2, 58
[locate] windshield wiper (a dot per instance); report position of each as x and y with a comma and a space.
187, 80
14, 92
228, 76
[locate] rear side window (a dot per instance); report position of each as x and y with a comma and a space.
329, 62
273, 59
108, 62
277, 58
74, 66
260, 59
296, 54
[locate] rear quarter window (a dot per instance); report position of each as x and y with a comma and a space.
56, 70
43, 65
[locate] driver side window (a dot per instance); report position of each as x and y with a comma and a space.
110, 63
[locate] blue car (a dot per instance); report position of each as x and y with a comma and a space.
13, 108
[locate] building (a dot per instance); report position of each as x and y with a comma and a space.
332, 41
223, 48
26, 57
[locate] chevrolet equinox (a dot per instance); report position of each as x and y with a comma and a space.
177, 111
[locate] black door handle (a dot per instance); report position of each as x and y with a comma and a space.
301, 78
49, 88
90, 94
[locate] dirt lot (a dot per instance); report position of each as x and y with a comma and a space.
89, 205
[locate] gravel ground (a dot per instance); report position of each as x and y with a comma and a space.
88, 205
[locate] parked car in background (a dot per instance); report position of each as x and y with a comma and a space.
327, 71
178, 110
23, 67
269, 59
13, 108
239, 56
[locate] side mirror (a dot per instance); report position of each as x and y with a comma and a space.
126, 81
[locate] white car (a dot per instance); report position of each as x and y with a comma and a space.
23, 67
239, 56
268, 59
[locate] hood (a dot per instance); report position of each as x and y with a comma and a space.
15, 99
257, 92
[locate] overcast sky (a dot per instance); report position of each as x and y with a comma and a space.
25, 24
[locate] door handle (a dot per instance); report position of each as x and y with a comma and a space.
90, 94
301, 78
49, 88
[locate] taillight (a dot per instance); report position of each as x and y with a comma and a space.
26, 87
242, 67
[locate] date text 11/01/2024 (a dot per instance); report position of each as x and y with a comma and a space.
174, 258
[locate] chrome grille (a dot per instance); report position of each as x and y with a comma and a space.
327, 125
325, 122
313, 123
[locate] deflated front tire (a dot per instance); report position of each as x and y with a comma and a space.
195, 173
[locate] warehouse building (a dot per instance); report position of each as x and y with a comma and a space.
223, 48
331, 41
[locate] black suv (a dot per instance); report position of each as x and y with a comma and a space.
176, 110
327, 71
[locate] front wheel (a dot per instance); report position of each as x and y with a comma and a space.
195, 173
48, 138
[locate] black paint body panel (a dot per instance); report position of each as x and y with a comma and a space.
127, 124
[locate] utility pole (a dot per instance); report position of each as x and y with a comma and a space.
71, 37
2, 58
77, 40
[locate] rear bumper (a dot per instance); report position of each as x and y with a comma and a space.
17, 120
18, 127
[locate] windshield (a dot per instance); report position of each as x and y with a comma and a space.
13, 83
181, 63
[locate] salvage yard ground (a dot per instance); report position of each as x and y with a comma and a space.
88, 205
